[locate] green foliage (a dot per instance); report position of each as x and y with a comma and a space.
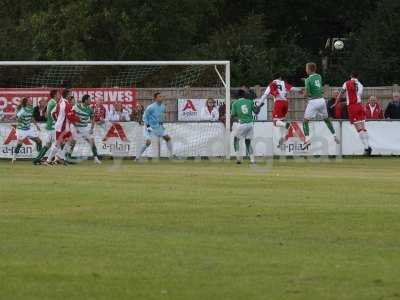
259, 37
376, 45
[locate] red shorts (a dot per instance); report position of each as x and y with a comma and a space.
280, 109
63, 135
356, 113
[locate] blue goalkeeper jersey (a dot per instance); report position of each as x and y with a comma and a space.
153, 115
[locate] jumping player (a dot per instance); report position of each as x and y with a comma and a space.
24, 128
153, 117
243, 109
85, 127
316, 105
279, 89
354, 90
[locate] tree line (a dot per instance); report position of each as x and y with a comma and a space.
260, 37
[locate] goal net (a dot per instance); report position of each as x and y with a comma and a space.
196, 95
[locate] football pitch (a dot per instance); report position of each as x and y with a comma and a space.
201, 230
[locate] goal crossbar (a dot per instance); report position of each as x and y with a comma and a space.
113, 63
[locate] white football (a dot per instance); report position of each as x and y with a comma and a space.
339, 45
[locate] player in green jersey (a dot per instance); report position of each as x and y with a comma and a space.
50, 135
242, 110
316, 105
24, 128
85, 127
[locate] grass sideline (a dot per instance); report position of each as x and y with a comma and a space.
201, 230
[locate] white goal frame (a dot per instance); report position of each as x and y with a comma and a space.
225, 81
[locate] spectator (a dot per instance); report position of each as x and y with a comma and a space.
393, 109
209, 111
373, 110
338, 111
119, 113
137, 113
222, 113
8, 114
100, 112
341, 111
39, 111
330, 105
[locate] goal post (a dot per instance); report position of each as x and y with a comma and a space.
130, 73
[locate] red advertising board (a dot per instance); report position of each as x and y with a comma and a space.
10, 98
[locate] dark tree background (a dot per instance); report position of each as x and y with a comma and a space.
259, 37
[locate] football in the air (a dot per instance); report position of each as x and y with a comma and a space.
339, 45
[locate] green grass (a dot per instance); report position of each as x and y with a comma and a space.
201, 230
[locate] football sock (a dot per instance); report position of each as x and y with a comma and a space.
94, 150
69, 148
249, 150
364, 138
73, 143
62, 154
236, 147
282, 128
236, 144
42, 153
142, 150
53, 153
330, 126
170, 147
17, 148
306, 128
39, 146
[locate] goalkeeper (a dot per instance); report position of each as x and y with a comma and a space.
153, 118
242, 110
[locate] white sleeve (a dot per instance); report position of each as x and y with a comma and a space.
295, 89
265, 96
360, 89
343, 89
61, 111
20, 112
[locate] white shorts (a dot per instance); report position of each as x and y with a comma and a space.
50, 137
245, 131
29, 133
316, 108
81, 133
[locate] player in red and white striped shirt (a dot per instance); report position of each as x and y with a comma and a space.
354, 90
279, 89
